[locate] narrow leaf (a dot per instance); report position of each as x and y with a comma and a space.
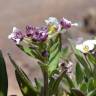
3, 77
77, 92
25, 85
92, 93
79, 74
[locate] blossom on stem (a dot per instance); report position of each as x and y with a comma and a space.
66, 24
16, 35
86, 46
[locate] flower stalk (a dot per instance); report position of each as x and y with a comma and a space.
46, 93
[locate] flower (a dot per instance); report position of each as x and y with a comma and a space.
16, 35
66, 23
86, 46
53, 24
30, 30
52, 21
37, 33
67, 68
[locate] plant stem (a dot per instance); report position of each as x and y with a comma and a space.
46, 83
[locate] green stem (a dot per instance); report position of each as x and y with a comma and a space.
46, 83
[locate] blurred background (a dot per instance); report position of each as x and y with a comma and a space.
20, 13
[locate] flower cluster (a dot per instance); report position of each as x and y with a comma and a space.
67, 68
40, 34
37, 33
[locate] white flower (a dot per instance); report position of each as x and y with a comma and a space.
52, 20
16, 35
86, 46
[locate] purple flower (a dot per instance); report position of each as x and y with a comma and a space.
16, 35
37, 33
30, 30
66, 23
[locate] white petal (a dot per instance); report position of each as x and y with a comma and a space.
17, 41
15, 29
67, 21
93, 41
11, 36
90, 41
47, 22
79, 46
74, 24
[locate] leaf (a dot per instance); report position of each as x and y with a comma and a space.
79, 74
91, 84
3, 77
83, 62
84, 87
54, 87
92, 93
38, 84
27, 50
25, 85
80, 57
53, 64
65, 53
77, 92
54, 55
69, 80
91, 58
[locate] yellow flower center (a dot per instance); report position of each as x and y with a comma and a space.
86, 48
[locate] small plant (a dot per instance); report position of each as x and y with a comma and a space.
68, 71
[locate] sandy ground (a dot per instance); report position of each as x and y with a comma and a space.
22, 12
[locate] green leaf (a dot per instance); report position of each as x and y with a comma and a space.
84, 87
80, 57
79, 73
27, 50
25, 85
54, 87
91, 84
54, 57
38, 84
91, 58
53, 64
69, 80
77, 92
65, 53
3, 77
92, 93
83, 62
